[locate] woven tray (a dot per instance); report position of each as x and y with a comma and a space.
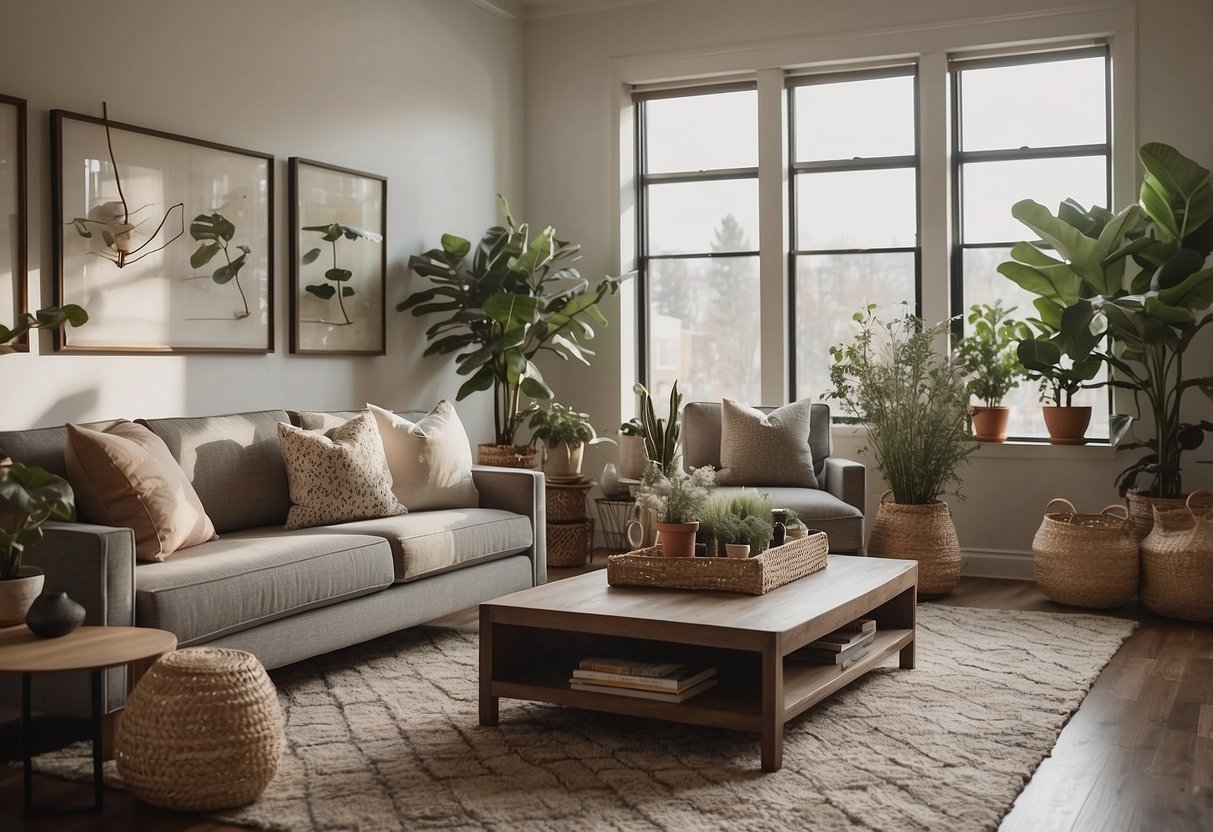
753, 576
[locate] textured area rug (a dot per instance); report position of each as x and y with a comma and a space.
385, 736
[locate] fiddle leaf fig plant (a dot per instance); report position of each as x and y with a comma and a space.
338, 284
28, 498
214, 233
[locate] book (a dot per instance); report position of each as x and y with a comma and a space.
629, 667
857, 657
675, 682
826, 656
860, 625
839, 640
694, 690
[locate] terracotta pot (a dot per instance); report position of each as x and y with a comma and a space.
16, 594
990, 423
678, 539
1067, 425
924, 533
632, 458
562, 462
505, 456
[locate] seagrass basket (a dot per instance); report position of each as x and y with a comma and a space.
924, 533
505, 456
566, 502
1177, 562
569, 544
1141, 508
1086, 560
201, 731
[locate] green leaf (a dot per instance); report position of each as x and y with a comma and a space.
455, 247
1178, 268
332, 231
338, 275
1078, 249
1181, 182
81, 227
204, 254
347, 291
1038, 355
482, 380
1195, 293
323, 291
512, 311
224, 274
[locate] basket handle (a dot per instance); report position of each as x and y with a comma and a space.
1063, 500
885, 494
1110, 511
1202, 492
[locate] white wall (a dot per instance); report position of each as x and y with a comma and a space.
573, 68
426, 92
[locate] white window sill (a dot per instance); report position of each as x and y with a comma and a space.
1010, 450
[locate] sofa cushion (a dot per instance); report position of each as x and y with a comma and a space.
842, 522
430, 458
429, 542
234, 464
337, 476
42, 447
760, 449
701, 434
251, 577
125, 476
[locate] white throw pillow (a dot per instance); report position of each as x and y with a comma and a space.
766, 449
430, 461
337, 476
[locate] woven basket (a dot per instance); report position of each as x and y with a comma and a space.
505, 456
1086, 560
1177, 562
924, 533
569, 544
753, 576
567, 502
1141, 508
201, 731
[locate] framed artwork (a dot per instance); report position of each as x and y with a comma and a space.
338, 260
167, 241
13, 287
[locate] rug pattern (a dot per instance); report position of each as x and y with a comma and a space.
384, 736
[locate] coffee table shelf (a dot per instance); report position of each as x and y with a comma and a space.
531, 641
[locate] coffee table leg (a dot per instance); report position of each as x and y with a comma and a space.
488, 702
772, 710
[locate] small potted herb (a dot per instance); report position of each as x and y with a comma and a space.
987, 356
565, 433
676, 502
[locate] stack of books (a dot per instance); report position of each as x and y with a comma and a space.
663, 681
843, 647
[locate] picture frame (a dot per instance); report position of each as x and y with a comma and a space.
14, 217
174, 254
338, 253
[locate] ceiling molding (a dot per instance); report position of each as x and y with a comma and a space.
508, 9
535, 9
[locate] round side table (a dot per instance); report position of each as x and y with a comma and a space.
87, 648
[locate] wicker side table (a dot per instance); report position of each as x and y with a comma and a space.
202, 731
570, 529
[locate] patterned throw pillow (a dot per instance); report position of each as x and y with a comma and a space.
430, 460
766, 449
337, 476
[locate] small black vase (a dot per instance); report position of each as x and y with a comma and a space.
53, 614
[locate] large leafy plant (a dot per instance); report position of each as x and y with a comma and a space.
511, 298
28, 498
911, 398
1141, 325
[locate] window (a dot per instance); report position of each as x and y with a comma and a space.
854, 197
698, 241
1013, 140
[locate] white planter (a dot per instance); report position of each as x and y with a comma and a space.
18, 593
632, 458
562, 461
737, 550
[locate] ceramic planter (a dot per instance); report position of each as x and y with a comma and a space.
632, 457
54, 614
737, 550
17, 594
1067, 425
677, 539
562, 462
990, 423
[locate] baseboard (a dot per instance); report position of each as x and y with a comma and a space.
997, 563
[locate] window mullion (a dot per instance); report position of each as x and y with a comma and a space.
775, 341
934, 178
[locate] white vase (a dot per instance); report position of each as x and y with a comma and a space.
737, 550
16, 594
609, 482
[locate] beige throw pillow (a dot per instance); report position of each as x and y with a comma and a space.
766, 449
126, 476
337, 476
430, 461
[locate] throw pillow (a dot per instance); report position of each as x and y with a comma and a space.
337, 476
430, 460
126, 476
766, 449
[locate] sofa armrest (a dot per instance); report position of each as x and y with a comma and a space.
846, 480
95, 565
519, 490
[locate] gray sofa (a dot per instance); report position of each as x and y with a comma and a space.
836, 506
283, 596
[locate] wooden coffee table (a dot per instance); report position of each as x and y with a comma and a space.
531, 641
86, 648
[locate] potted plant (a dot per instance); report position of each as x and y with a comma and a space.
28, 498
676, 501
1140, 327
988, 357
504, 302
565, 433
913, 402
660, 435
631, 449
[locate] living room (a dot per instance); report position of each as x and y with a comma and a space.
453, 102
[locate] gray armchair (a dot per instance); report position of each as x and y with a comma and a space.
836, 506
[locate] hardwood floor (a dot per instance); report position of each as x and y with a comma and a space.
1136, 757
